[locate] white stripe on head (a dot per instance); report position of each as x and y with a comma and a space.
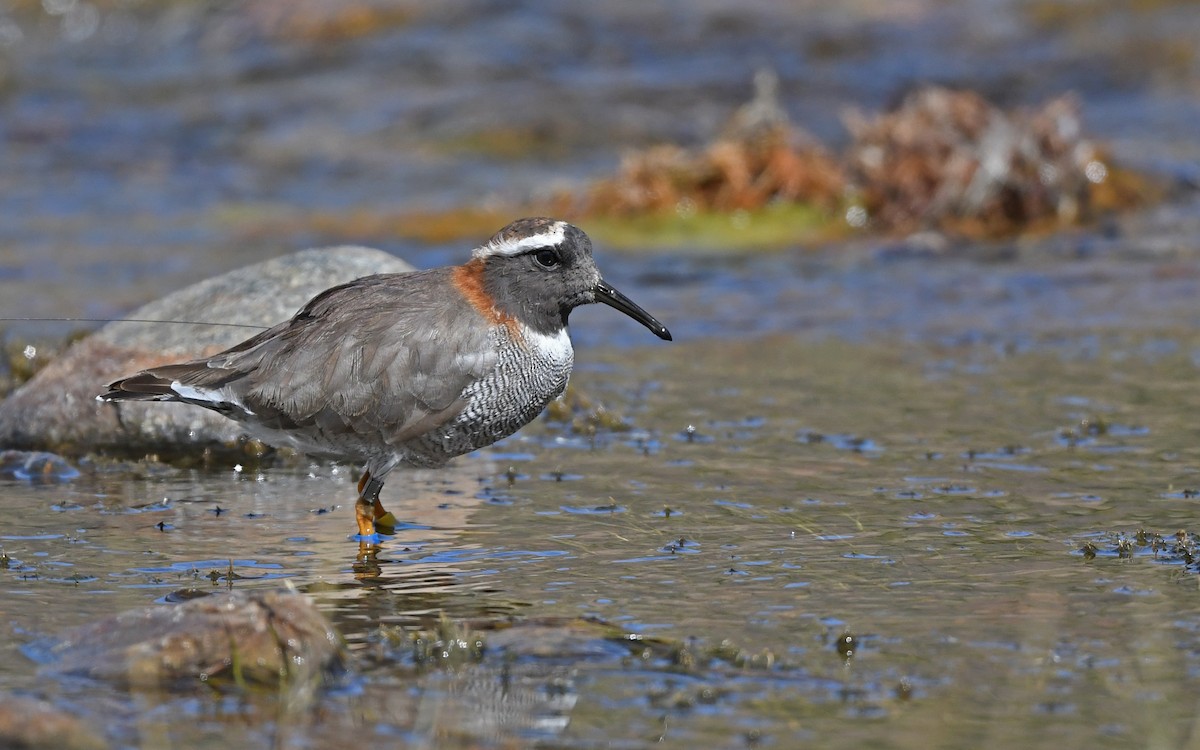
550, 236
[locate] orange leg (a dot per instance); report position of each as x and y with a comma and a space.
364, 508
380, 512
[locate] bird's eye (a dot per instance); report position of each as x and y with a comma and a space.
546, 258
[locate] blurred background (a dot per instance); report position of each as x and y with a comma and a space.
145, 145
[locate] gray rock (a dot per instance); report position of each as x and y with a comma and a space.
33, 724
36, 466
277, 640
57, 409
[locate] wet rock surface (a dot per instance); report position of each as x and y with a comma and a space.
57, 409
36, 466
269, 639
31, 724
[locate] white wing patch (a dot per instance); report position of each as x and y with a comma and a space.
552, 236
223, 396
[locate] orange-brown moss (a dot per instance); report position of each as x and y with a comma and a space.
760, 159
948, 159
942, 159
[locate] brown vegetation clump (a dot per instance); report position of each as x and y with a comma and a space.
948, 159
760, 159
943, 159
731, 174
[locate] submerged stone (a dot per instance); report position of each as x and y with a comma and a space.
269, 639
36, 724
57, 409
35, 466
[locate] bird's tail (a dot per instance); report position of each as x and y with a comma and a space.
156, 384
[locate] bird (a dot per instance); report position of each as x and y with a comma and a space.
407, 369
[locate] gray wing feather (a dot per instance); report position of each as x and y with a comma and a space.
386, 355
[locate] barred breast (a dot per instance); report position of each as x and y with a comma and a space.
530, 372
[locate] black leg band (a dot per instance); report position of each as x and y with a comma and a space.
370, 492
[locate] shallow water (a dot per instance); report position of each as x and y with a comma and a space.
931, 501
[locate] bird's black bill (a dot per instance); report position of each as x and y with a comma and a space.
608, 295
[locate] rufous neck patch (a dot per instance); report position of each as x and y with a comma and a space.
468, 280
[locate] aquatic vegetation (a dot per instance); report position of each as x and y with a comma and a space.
584, 415
942, 159
759, 160
1178, 548
948, 159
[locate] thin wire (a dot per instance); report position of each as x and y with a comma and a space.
129, 320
